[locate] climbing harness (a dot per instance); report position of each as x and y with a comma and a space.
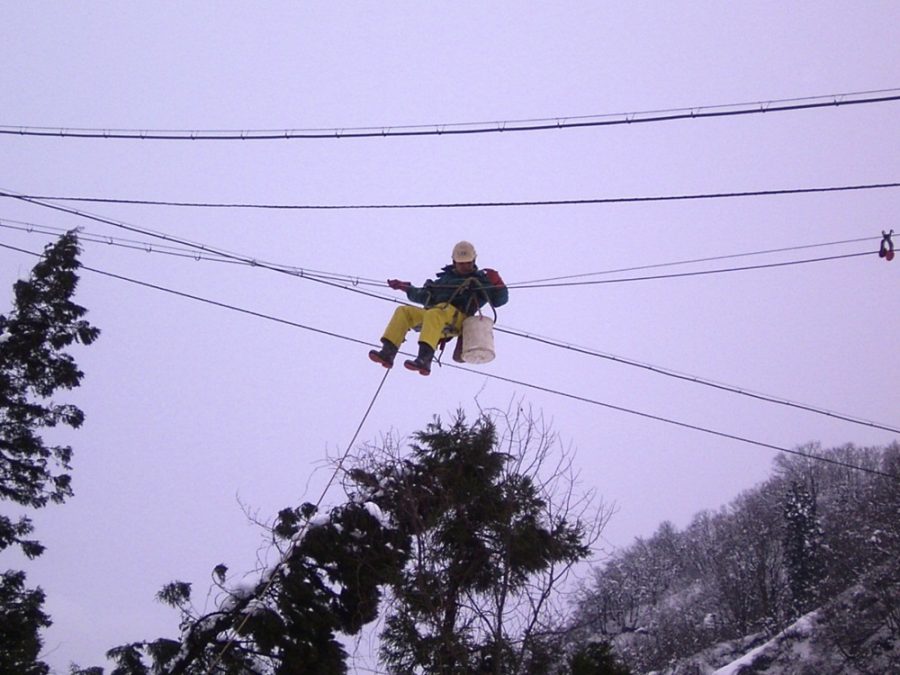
887, 246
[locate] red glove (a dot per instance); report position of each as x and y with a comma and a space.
398, 285
493, 276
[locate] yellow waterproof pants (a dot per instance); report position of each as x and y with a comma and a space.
432, 321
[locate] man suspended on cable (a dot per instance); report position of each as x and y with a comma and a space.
459, 291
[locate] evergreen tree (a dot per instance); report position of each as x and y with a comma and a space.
596, 658
480, 531
802, 547
21, 619
452, 532
34, 365
328, 581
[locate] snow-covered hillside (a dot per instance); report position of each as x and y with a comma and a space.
853, 635
799, 575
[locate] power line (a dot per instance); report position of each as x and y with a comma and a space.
181, 252
684, 425
460, 128
452, 205
39, 201
357, 281
295, 272
118, 242
677, 275
321, 277
699, 260
694, 379
697, 380
549, 390
185, 253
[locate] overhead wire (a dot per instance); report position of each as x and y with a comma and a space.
118, 242
192, 253
668, 372
461, 128
693, 261
182, 252
588, 351
222, 254
452, 205
190, 296
696, 273
323, 278
558, 344
521, 383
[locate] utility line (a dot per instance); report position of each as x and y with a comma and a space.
356, 281
450, 205
698, 260
482, 374
677, 275
319, 278
459, 128
684, 425
182, 252
183, 242
382, 297
118, 242
696, 380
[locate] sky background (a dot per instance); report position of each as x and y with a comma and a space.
197, 415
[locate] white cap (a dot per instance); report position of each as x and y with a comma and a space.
464, 252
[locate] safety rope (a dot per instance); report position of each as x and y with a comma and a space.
472, 284
297, 537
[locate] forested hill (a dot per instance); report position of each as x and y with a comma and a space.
800, 572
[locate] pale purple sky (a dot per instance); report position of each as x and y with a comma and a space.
191, 409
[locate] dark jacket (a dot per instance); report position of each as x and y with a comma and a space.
466, 292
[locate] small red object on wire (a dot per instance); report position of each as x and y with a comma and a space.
887, 246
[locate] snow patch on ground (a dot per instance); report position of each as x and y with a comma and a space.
798, 632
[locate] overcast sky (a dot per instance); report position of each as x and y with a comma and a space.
196, 413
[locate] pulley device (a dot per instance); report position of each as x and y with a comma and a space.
887, 246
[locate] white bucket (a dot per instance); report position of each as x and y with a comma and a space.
478, 339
